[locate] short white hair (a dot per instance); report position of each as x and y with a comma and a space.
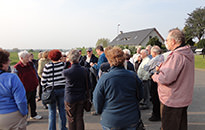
156, 49
22, 54
126, 51
144, 51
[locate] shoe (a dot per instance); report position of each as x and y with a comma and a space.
38, 99
94, 113
37, 117
154, 118
45, 106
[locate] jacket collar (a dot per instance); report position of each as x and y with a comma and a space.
116, 68
75, 65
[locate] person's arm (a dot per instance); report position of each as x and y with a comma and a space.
45, 76
100, 61
98, 97
19, 95
169, 71
140, 71
40, 68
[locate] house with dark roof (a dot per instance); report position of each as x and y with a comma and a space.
136, 38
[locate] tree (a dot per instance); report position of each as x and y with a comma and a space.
201, 43
103, 41
195, 24
188, 36
154, 41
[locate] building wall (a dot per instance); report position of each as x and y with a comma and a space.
152, 34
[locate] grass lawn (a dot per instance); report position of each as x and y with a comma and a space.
199, 61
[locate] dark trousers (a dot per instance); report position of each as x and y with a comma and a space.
174, 118
75, 115
155, 99
39, 88
146, 99
31, 100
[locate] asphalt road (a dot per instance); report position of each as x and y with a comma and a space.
196, 112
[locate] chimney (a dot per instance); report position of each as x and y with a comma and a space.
121, 32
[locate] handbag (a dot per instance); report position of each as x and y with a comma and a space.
48, 95
87, 103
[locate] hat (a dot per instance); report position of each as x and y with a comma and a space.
89, 49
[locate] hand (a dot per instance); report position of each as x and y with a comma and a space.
158, 67
91, 64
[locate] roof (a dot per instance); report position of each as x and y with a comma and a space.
133, 38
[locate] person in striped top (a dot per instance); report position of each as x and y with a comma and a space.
52, 76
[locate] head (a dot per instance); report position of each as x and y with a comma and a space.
24, 57
174, 39
4, 60
148, 48
54, 55
73, 56
89, 52
30, 57
45, 54
155, 51
63, 58
139, 49
115, 56
80, 52
144, 53
99, 49
127, 54
40, 55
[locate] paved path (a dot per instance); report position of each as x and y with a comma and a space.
196, 112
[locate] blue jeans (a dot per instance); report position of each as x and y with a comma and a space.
59, 93
129, 128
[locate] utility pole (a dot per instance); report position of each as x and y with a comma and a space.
118, 28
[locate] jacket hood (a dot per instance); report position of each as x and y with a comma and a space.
186, 51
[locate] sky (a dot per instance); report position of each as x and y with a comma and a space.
66, 24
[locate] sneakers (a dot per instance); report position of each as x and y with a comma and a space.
94, 113
45, 106
37, 117
154, 118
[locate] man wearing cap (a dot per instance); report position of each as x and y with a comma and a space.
90, 58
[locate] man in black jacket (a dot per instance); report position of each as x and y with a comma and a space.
90, 57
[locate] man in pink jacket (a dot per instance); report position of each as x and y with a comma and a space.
175, 80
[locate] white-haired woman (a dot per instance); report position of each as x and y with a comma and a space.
127, 64
28, 76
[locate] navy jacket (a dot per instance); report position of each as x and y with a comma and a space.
115, 98
75, 83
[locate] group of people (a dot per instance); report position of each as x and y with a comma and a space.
120, 86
